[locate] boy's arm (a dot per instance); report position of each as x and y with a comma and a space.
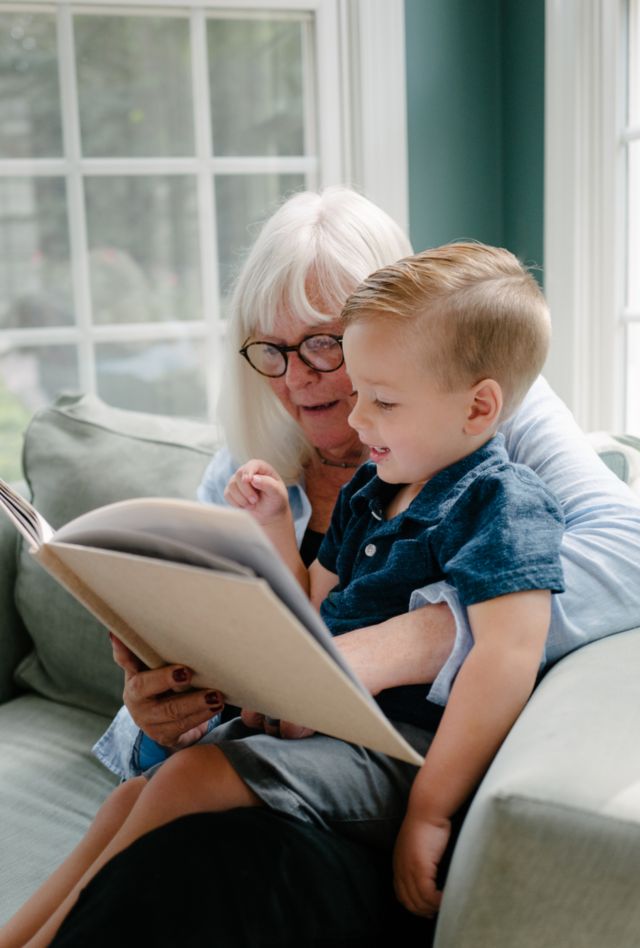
258, 488
321, 582
489, 693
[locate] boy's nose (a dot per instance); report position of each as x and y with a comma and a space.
355, 418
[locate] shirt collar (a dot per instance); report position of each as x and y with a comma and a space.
376, 494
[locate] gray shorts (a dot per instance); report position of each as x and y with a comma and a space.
325, 781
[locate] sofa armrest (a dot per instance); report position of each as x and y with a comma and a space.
549, 853
14, 641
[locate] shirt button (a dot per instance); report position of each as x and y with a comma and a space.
370, 549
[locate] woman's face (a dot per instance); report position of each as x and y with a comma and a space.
320, 402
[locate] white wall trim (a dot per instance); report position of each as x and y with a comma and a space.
375, 107
584, 215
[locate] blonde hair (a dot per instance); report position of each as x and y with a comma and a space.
480, 313
308, 257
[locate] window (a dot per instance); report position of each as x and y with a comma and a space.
592, 208
140, 146
631, 143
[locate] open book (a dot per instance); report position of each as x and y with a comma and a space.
202, 586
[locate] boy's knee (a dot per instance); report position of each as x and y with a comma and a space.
128, 792
205, 775
193, 763
121, 800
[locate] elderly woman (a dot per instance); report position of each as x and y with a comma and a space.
286, 398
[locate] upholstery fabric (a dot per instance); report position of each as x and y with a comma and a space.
14, 642
50, 787
554, 830
80, 454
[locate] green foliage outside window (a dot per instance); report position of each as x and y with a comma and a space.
14, 418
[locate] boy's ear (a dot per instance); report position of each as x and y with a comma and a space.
484, 408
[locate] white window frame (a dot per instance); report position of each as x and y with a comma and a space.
584, 233
362, 142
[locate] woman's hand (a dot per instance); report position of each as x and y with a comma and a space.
161, 701
258, 488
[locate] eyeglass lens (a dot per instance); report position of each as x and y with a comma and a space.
323, 353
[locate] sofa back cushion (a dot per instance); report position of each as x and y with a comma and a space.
14, 641
80, 454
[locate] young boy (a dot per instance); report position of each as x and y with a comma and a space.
440, 348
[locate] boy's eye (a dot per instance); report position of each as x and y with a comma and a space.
384, 406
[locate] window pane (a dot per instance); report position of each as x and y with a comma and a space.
30, 123
30, 377
256, 80
632, 421
165, 377
243, 202
134, 86
35, 280
633, 225
143, 239
634, 62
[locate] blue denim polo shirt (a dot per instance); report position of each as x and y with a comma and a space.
484, 524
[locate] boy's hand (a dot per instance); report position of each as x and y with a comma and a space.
258, 488
419, 848
276, 728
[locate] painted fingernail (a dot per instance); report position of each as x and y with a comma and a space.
180, 674
212, 697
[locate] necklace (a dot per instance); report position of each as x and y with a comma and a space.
345, 465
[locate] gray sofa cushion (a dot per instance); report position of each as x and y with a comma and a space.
549, 854
80, 454
49, 790
14, 641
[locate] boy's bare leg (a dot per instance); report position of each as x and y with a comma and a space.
196, 780
46, 899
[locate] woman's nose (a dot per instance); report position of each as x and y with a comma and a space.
298, 372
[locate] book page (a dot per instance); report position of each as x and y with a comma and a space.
146, 544
221, 531
239, 638
32, 526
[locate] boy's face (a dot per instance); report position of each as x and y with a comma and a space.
412, 428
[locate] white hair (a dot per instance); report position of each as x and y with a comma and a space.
313, 252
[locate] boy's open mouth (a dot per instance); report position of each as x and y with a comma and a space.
377, 453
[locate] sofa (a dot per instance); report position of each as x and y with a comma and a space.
549, 852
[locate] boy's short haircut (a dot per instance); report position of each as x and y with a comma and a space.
478, 310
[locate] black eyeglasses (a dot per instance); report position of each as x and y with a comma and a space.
322, 352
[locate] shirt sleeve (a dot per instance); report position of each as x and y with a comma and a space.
501, 535
117, 749
443, 592
215, 478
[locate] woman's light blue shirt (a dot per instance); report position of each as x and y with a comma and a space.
600, 553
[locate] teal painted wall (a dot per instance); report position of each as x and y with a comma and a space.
475, 97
